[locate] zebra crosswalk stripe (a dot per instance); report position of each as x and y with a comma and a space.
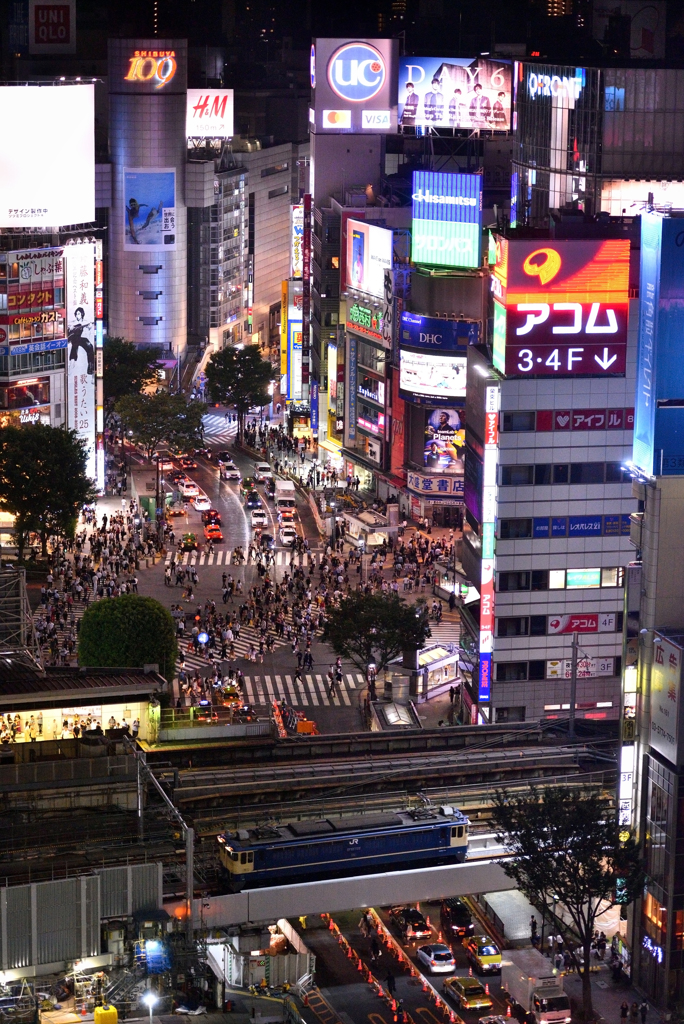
282, 558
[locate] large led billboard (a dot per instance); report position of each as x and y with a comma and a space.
566, 305
432, 375
354, 86
447, 219
55, 185
455, 92
209, 114
369, 255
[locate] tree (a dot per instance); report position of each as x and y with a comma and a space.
153, 419
43, 480
127, 368
569, 854
369, 628
239, 377
130, 631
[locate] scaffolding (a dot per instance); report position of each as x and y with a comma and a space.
18, 642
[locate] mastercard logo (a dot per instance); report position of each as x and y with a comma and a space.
337, 118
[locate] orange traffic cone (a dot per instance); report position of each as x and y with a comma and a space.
360, 966
83, 1011
306, 999
470, 972
349, 953
427, 921
425, 986
393, 1005
381, 993
452, 1017
508, 1010
331, 925
487, 988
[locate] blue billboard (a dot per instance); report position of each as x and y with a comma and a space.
446, 226
437, 334
659, 409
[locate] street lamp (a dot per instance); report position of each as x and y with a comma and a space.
150, 999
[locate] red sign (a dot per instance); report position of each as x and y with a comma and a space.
567, 306
573, 623
52, 24
491, 429
48, 316
585, 419
32, 299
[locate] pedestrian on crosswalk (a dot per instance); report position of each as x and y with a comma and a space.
331, 683
298, 678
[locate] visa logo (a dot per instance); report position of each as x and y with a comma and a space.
375, 119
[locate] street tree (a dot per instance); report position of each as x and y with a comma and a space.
152, 420
239, 378
571, 860
375, 628
127, 368
43, 481
130, 631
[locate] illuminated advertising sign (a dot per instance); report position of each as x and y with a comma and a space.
294, 362
354, 83
157, 67
432, 376
447, 219
149, 209
80, 296
666, 672
659, 417
455, 92
587, 668
297, 241
489, 496
369, 255
291, 337
30, 197
566, 88
444, 441
52, 26
306, 284
435, 334
209, 114
566, 306
363, 320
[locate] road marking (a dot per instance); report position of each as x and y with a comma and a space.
201, 561
271, 694
219, 558
350, 681
345, 697
210, 560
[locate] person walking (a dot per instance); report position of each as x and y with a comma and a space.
624, 1010
392, 985
643, 1010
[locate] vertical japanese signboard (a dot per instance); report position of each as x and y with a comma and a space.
306, 286
491, 456
81, 331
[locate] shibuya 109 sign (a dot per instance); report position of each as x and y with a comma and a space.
561, 307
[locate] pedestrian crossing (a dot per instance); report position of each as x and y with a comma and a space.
445, 632
221, 557
217, 430
311, 692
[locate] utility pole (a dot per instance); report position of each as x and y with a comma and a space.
573, 687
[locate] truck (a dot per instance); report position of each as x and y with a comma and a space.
533, 987
284, 495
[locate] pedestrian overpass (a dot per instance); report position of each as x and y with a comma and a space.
480, 874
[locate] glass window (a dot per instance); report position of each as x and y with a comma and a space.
511, 671
519, 420
542, 474
540, 579
556, 579
609, 577
536, 670
615, 473
515, 529
587, 472
517, 476
508, 581
560, 474
513, 626
537, 625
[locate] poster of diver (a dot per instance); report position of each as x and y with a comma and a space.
149, 209
444, 440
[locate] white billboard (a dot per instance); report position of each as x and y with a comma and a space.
209, 114
665, 689
297, 246
52, 183
80, 296
369, 255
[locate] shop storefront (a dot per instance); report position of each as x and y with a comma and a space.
64, 723
435, 673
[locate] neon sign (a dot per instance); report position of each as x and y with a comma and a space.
152, 65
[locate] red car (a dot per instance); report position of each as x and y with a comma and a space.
213, 532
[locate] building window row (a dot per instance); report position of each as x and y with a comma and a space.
550, 625
545, 420
563, 473
545, 527
537, 670
559, 579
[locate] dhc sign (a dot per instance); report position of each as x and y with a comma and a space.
356, 72
436, 334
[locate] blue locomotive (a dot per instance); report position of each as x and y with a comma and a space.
306, 851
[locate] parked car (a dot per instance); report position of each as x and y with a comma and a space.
438, 958
410, 923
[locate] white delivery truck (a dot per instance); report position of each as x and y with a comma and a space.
533, 986
284, 495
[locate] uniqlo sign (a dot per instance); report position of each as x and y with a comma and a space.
52, 27
566, 306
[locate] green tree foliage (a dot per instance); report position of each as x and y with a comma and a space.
130, 631
127, 368
376, 628
43, 480
240, 378
162, 418
569, 856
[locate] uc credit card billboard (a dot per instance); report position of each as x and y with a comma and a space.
566, 306
354, 86
447, 219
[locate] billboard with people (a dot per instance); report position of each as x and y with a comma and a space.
455, 92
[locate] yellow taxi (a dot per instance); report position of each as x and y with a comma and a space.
468, 993
484, 955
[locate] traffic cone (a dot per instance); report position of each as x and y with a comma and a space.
360, 967
349, 952
508, 1010
427, 921
441, 938
83, 1011
306, 999
425, 986
487, 987
331, 926
393, 1005
381, 994
452, 1017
